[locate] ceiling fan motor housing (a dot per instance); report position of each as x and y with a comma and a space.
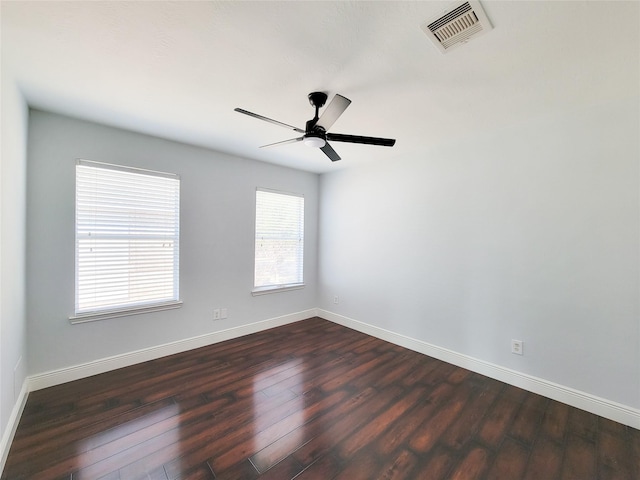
317, 99
311, 128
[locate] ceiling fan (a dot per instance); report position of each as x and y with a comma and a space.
315, 133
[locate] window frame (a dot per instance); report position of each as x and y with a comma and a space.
274, 288
130, 308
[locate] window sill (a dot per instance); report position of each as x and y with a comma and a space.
125, 312
276, 289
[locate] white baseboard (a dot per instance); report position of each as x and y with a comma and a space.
12, 424
584, 401
76, 372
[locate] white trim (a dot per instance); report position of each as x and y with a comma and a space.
124, 168
76, 372
585, 401
276, 288
124, 312
12, 424
279, 192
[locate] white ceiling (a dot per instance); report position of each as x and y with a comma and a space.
178, 69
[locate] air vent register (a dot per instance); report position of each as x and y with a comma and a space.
457, 25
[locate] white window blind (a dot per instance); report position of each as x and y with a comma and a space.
127, 238
279, 239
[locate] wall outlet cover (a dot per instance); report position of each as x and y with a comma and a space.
517, 347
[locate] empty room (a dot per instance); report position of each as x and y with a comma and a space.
320, 240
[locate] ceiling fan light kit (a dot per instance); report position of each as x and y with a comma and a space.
313, 140
315, 133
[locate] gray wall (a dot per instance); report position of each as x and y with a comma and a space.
530, 233
13, 356
216, 253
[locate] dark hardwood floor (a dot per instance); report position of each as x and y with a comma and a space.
310, 400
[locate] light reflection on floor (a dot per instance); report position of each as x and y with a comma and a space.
270, 427
126, 440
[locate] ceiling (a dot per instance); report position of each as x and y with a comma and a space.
178, 69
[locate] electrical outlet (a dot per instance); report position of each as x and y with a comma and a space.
216, 314
223, 313
336, 299
517, 347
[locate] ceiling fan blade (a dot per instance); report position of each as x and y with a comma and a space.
330, 152
275, 122
284, 142
333, 111
384, 142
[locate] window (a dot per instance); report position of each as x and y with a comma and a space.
127, 240
279, 241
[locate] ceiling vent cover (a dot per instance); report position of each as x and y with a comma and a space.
457, 25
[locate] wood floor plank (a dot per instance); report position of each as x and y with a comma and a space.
337, 431
287, 468
510, 462
233, 441
357, 372
583, 423
499, 418
422, 370
430, 431
363, 467
439, 463
309, 400
385, 374
400, 467
240, 471
526, 423
93, 433
327, 466
264, 436
467, 422
614, 456
202, 472
554, 424
580, 459
290, 442
405, 426
634, 436
366, 435
545, 460
473, 465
